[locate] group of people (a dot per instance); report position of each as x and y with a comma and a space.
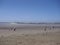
14, 28
49, 27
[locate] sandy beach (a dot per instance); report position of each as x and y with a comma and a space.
30, 35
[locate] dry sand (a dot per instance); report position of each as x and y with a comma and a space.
30, 36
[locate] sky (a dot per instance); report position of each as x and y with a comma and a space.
29, 10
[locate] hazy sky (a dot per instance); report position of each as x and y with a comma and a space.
30, 10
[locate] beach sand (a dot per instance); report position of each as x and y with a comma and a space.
30, 36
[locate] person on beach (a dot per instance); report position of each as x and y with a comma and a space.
44, 29
14, 29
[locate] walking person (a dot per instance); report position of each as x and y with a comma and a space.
44, 29
14, 29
